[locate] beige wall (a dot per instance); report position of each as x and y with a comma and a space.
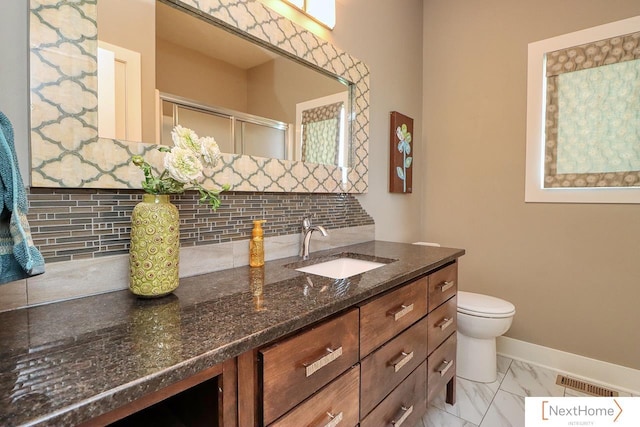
189, 74
387, 36
572, 270
134, 30
277, 86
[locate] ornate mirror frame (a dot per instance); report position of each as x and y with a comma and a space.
67, 152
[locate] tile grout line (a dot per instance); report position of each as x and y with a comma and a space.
496, 393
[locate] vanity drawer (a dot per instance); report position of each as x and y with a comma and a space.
337, 403
384, 317
297, 367
443, 284
405, 405
441, 366
442, 323
386, 367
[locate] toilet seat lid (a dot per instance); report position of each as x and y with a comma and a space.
484, 305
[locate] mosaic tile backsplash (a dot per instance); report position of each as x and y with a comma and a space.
74, 224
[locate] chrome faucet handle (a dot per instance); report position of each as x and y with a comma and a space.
306, 222
307, 231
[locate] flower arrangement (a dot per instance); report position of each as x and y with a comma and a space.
183, 163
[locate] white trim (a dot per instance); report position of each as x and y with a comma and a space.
536, 84
132, 127
607, 374
106, 93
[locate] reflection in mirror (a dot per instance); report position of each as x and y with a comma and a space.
66, 150
236, 132
252, 100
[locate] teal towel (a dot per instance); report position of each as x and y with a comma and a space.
19, 258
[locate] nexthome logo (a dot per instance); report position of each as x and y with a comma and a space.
585, 410
582, 411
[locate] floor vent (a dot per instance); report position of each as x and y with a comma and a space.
585, 387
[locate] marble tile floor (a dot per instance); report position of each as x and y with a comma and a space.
498, 404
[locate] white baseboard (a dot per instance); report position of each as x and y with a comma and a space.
606, 374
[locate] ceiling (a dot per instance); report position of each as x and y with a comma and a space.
191, 32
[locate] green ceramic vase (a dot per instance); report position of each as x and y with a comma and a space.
155, 246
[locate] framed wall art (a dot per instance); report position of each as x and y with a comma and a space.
401, 154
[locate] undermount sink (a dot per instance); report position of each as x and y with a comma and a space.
340, 268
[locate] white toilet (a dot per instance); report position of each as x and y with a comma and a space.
481, 318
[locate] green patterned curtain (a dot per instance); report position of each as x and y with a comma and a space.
321, 134
592, 131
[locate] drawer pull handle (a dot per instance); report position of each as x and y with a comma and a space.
445, 323
401, 360
401, 311
402, 416
314, 366
444, 367
444, 287
334, 420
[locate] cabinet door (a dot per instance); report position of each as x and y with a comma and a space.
386, 316
297, 367
404, 406
386, 367
441, 366
334, 405
443, 284
442, 323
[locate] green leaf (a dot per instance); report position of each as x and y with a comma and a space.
407, 162
400, 172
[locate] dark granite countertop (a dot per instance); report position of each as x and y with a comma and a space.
65, 363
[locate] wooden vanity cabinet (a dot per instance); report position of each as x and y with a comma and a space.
336, 404
405, 405
398, 360
295, 368
442, 322
441, 368
388, 366
377, 363
441, 339
385, 316
397, 350
443, 284
208, 398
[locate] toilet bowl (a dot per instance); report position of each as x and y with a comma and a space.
481, 318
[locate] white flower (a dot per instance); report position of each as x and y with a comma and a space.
183, 165
185, 138
209, 150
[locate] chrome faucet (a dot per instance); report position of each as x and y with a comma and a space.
307, 230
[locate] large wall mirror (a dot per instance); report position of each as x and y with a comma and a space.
110, 78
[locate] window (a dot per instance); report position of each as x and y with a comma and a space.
322, 11
583, 116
